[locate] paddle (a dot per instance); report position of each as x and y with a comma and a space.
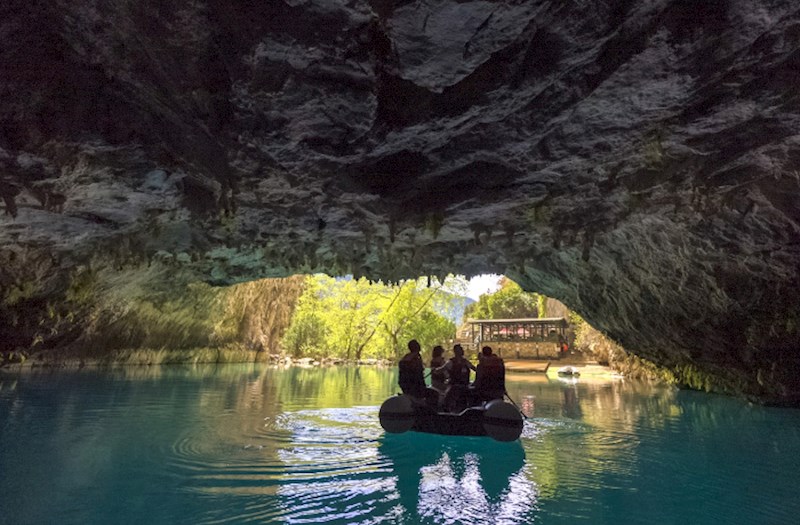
515, 405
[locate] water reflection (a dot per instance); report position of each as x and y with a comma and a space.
230, 444
570, 407
331, 470
459, 480
339, 467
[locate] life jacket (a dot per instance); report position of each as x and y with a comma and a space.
411, 375
492, 374
459, 371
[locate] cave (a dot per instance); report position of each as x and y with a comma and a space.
638, 161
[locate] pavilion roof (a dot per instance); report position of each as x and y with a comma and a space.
520, 320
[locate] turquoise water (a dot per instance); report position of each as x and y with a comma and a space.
252, 444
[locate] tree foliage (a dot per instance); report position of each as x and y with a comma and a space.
354, 319
509, 302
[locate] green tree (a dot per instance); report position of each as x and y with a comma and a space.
354, 319
355, 306
307, 330
411, 316
509, 302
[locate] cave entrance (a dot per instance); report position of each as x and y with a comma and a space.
344, 319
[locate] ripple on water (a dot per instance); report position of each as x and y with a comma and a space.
207, 451
316, 465
333, 469
337, 466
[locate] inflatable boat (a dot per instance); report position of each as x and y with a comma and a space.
496, 419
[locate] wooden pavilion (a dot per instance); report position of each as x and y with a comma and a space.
534, 338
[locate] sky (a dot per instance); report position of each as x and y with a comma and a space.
480, 284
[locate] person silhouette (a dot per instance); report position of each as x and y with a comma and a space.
412, 377
438, 374
490, 378
458, 373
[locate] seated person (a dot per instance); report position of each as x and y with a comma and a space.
412, 376
490, 378
458, 370
438, 374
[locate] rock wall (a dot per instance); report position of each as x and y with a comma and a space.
639, 161
106, 310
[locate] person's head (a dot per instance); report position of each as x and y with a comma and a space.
486, 351
438, 351
458, 350
413, 346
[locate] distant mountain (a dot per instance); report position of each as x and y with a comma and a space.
456, 308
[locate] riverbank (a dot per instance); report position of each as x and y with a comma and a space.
237, 354
155, 357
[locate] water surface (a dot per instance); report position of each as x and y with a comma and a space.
253, 444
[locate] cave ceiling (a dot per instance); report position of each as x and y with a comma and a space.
639, 161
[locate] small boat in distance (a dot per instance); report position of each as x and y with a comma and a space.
569, 371
496, 419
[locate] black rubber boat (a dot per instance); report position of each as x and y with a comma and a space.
496, 419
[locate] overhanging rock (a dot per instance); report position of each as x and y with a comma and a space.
639, 161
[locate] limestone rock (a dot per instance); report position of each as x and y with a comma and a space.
639, 161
